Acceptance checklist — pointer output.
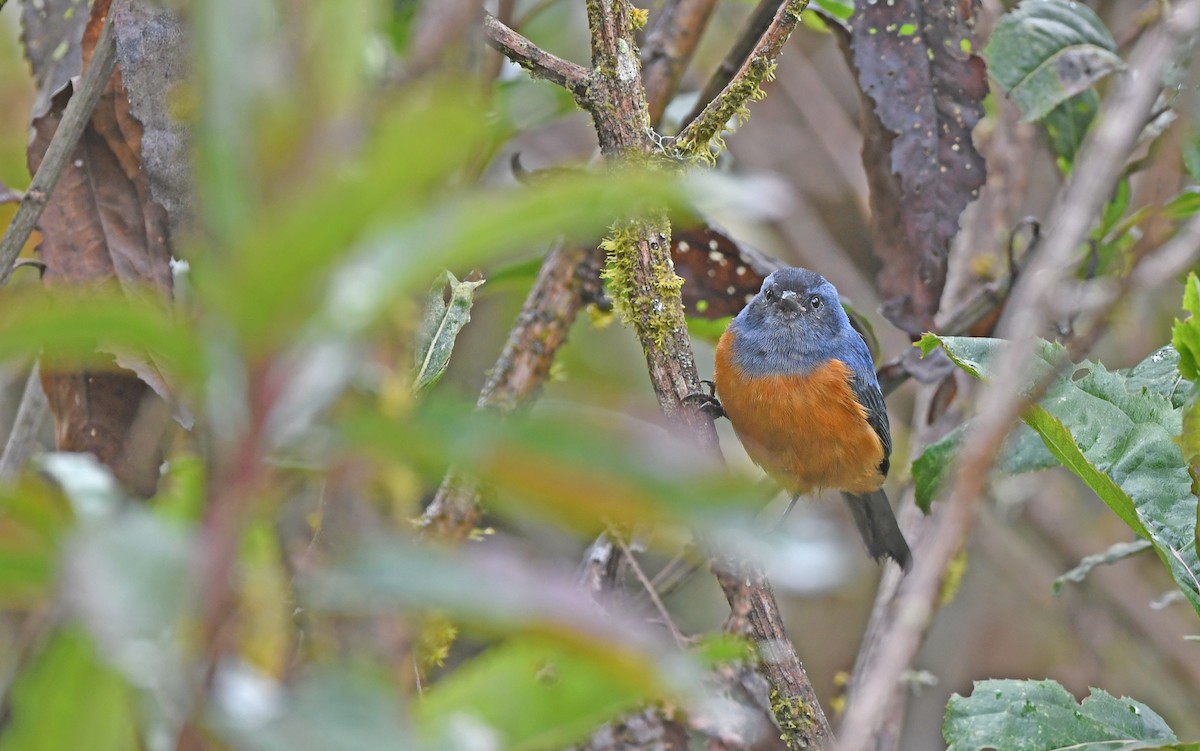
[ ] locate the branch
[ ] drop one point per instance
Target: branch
(569, 277)
(672, 38)
(75, 118)
(757, 25)
(540, 64)
(746, 83)
(1033, 302)
(31, 415)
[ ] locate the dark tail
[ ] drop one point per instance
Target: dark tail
(877, 525)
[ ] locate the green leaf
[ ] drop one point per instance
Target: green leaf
(1042, 716)
(85, 327)
(1185, 205)
(535, 694)
(277, 266)
(33, 520)
(582, 469)
(1023, 452)
(1118, 552)
(1068, 123)
(1185, 335)
(67, 698)
(930, 468)
(1046, 51)
(1119, 440)
(439, 328)
(837, 10)
(1159, 374)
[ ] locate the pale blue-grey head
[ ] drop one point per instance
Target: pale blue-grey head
(794, 324)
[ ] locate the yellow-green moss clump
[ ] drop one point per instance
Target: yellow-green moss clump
(794, 718)
(644, 306)
(705, 141)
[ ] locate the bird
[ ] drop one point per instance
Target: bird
(798, 384)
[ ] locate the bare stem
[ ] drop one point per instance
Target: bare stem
(540, 64)
(31, 415)
(674, 32)
(75, 119)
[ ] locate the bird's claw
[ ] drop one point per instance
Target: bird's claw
(707, 403)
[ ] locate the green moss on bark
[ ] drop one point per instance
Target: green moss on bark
(653, 308)
(794, 718)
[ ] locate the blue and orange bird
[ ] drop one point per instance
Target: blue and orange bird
(798, 384)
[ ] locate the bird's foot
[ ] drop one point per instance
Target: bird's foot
(707, 403)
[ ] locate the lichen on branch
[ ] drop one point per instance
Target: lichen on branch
(648, 299)
(701, 139)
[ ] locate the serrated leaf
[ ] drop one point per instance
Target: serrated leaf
(1046, 51)
(1120, 441)
(1118, 552)
(534, 694)
(1159, 374)
(1042, 716)
(67, 698)
(1023, 452)
(439, 329)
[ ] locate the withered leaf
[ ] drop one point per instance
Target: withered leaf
(52, 35)
(720, 274)
(101, 226)
(152, 54)
(922, 92)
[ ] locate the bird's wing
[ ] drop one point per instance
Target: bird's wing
(866, 390)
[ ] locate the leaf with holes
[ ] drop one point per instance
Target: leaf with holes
(923, 91)
(720, 274)
(439, 328)
(1120, 440)
(1046, 51)
(1042, 716)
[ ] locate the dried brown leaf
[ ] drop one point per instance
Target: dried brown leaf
(923, 90)
(101, 226)
(52, 34)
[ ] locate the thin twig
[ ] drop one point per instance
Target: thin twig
(663, 613)
(568, 278)
(670, 41)
(540, 64)
(757, 25)
(75, 118)
(1097, 171)
(757, 67)
(31, 415)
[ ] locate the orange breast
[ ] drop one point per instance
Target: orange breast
(808, 432)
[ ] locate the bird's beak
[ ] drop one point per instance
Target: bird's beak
(790, 301)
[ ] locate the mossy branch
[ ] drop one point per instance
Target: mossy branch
(540, 64)
(701, 138)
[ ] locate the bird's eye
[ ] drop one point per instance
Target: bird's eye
(769, 293)
(814, 302)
